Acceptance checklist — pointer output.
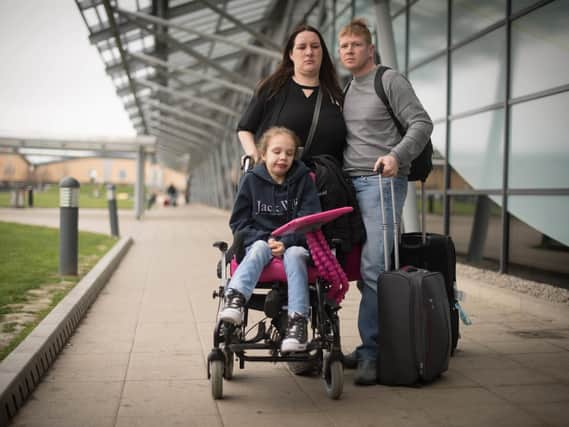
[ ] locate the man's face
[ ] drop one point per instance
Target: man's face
(355, 53)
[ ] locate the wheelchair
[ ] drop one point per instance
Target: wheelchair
(261, 341)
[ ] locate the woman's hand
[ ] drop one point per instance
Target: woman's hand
(277, 248)
(247, 140)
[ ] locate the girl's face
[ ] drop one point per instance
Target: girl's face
(279, 156)
(306, 54)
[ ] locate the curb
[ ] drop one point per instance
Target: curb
(22, 370)
(515, 300)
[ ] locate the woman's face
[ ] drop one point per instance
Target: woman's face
(306, 54)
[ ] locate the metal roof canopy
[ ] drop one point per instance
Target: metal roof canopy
(175, 66)
(107, 145)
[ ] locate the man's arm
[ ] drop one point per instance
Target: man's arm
(410, 112)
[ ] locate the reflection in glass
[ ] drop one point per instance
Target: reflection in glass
(479, 73)
(470, 17)
(539, 151)
(429, 82)
(518, 5)
(438, 137)
(540, 52)
(428, 28)
(397, 5)
(477, 147)
(399, 34)
(539, 235)
(488, 229)
(433, 210)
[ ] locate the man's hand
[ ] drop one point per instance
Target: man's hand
(390, 165)
(277, 248)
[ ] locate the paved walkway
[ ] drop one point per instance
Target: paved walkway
(138, 356)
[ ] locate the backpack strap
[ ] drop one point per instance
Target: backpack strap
(380, 90)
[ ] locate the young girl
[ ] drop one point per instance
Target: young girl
(271, 194)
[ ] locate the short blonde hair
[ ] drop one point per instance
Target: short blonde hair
(274, 131)
(356, 27)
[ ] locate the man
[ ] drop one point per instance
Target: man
(373, 141)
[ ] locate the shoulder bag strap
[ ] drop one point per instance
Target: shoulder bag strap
(314, 121)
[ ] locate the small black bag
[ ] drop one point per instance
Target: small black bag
(422, 165)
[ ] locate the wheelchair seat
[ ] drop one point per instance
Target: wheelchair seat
(275, 272)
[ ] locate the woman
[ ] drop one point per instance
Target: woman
(288, 98)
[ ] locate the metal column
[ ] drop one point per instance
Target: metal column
(139, 184)
(388, 57)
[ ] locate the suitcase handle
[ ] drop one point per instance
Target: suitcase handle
(384, 223)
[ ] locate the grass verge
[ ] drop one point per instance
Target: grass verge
(90, 196)
(30, 285)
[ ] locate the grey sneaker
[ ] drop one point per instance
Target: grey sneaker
(366, 373)
(350, 360)
(232, 307)
(296, 334)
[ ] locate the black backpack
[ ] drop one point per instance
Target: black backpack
(422, 165)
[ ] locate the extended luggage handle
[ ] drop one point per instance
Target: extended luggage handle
(384, 223)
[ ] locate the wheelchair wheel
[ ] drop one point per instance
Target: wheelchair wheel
(216, 372)
(229, 362)
(305, 368)
(333, 379)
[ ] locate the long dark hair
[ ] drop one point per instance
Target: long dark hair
(285, 70)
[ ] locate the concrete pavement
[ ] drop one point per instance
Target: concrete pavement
(138, 356)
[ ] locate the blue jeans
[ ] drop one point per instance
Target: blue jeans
(295, 261)
(372, 259)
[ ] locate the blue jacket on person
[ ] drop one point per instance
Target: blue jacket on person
(262, 205)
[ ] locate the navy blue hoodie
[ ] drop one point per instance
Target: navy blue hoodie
(262, 205)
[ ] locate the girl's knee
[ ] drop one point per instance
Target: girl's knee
(296, 252)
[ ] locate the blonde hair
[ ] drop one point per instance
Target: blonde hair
(356, 27)
(272, 132)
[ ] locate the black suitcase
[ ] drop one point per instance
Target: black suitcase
(414, 339)
(433, 252)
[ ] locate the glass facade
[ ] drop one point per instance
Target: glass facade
(497, 88)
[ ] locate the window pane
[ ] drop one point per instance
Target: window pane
(399, 36)
(397, 5)
(540, 52)
(539, 153)
(429, 82)
(518, 5)
(479, 72)
(462, 211)
(427, 29)
(476, 148)
(539, 234)
(469, 17)
(438, 137)
(433, 210)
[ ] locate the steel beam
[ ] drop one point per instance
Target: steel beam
(273, 54)
(176, 94)
(111, 18)
(184, 114)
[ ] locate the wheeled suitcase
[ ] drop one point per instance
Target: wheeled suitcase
(414, 339)
(433, 252)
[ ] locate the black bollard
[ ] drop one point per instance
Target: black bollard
(112, 199)
(31, 196)
(68, 224)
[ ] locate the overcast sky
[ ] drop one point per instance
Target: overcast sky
(52, 81)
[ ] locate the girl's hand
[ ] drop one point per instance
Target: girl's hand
(277, 248)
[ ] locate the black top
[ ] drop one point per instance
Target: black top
(292, 109)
